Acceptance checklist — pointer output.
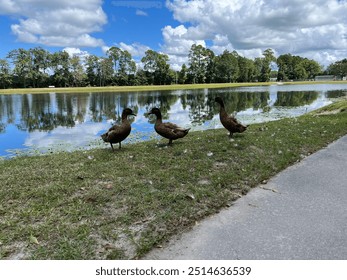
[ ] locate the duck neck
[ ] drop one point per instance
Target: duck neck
(159, 118)
(124, 118)
(222, 109)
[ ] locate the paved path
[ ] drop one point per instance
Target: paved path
(306, 218)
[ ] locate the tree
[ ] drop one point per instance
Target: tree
(339, 68)
(5, 74)
(182, 75)
(312, 68)
(247, 70)
(296, 68)
(200, 60)
(140, 78)
(264, 65)
(60, 64)
(77, 72)
(284, 63)
(115, 54)
(157, 67)
(105, 71)
(226, 67)
(127, 67)
(21, 60)
(93, 70)
(39, 64)
(123, 64)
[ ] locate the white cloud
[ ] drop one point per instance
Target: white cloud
(76, 51)
(177, 43)
(141, 13)
(69, 137)
(313, 29)
(56, 22)
(8, 7)
(135, 49)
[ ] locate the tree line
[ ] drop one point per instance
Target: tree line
(38, 67)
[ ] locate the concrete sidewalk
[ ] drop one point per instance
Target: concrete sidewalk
(304, 217)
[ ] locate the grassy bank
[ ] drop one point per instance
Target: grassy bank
(126, 88)
(146, 88)
(101, 205)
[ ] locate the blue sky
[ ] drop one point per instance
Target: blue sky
(136, 23)
(316, 29)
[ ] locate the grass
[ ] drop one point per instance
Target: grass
(148, 88)
(97, 204)
(126, 88)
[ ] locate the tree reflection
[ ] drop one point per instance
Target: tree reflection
(162, 100)
(336, 93)
(296, 98)
(202, 107)
(199, 105)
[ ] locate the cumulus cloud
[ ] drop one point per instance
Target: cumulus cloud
(299, 27)
(56, 22)
(76, 52)
(135, 49)
(177, 43)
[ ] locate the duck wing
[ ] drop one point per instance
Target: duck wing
(169, 125)
(171, 130)
(114, 127)
(232, 119)
(116, 133)
(233, 125)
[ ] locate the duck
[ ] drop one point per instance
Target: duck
(229, 121)
(167, 130)
(118, 133)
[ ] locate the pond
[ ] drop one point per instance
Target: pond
(40, 123)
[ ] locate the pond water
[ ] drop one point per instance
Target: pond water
(40, 123)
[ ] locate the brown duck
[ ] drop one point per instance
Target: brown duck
(117, 133)
(229, 122)
(167, 130)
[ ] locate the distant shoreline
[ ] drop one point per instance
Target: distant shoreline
(151, 87)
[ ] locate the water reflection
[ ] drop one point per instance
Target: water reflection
(68, 121)
(296, 98)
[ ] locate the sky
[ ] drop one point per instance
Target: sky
(313, 29)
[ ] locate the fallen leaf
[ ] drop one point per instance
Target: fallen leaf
(108, 246)
(33, 239)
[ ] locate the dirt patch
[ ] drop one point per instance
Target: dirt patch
(333, 112)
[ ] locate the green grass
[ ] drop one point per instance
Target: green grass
(148, 88)
(97, 204)
(126, 88)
